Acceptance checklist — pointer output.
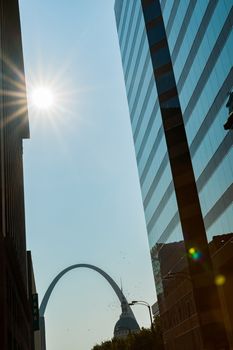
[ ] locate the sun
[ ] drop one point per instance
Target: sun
(43, 98)
(50, 98)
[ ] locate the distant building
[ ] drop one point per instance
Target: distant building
(221, 248)
(127, 323)
(177, 61)
(177, 306)
(155, 309)
(15, 311)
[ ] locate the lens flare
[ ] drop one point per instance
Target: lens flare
(192, 251)
(220, 280)
(52, 99)
(194, 254)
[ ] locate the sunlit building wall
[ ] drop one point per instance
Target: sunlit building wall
(199, 35)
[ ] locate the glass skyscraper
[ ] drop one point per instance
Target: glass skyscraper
(192, 60)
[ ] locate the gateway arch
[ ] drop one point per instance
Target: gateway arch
(124, 325)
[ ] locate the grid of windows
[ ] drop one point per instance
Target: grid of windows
(145, 114)
(200, 39)
(203, 67)
(199, 35)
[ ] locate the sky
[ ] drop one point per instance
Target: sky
(82, 195)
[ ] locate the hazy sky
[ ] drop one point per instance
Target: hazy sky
(83, 201)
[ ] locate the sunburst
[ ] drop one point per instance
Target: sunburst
(43, 98)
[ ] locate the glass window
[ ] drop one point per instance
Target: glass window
(147, 113)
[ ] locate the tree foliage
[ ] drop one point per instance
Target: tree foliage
(143, 340)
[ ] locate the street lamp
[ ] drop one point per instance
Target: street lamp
(142, 302)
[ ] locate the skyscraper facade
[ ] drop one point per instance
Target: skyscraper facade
(15, 310)
(177, 63)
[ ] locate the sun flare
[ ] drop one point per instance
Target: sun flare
(50, 98)
(43, 98)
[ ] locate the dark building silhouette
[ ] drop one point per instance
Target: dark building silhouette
(33, 301)
(15, 310)
(178, 312)
(221, 249)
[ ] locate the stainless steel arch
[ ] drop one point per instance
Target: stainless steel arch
(124, 304)
(126, 309)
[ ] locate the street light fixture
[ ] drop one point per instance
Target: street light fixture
(142, 302)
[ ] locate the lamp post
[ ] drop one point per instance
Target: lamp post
(142, 302)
